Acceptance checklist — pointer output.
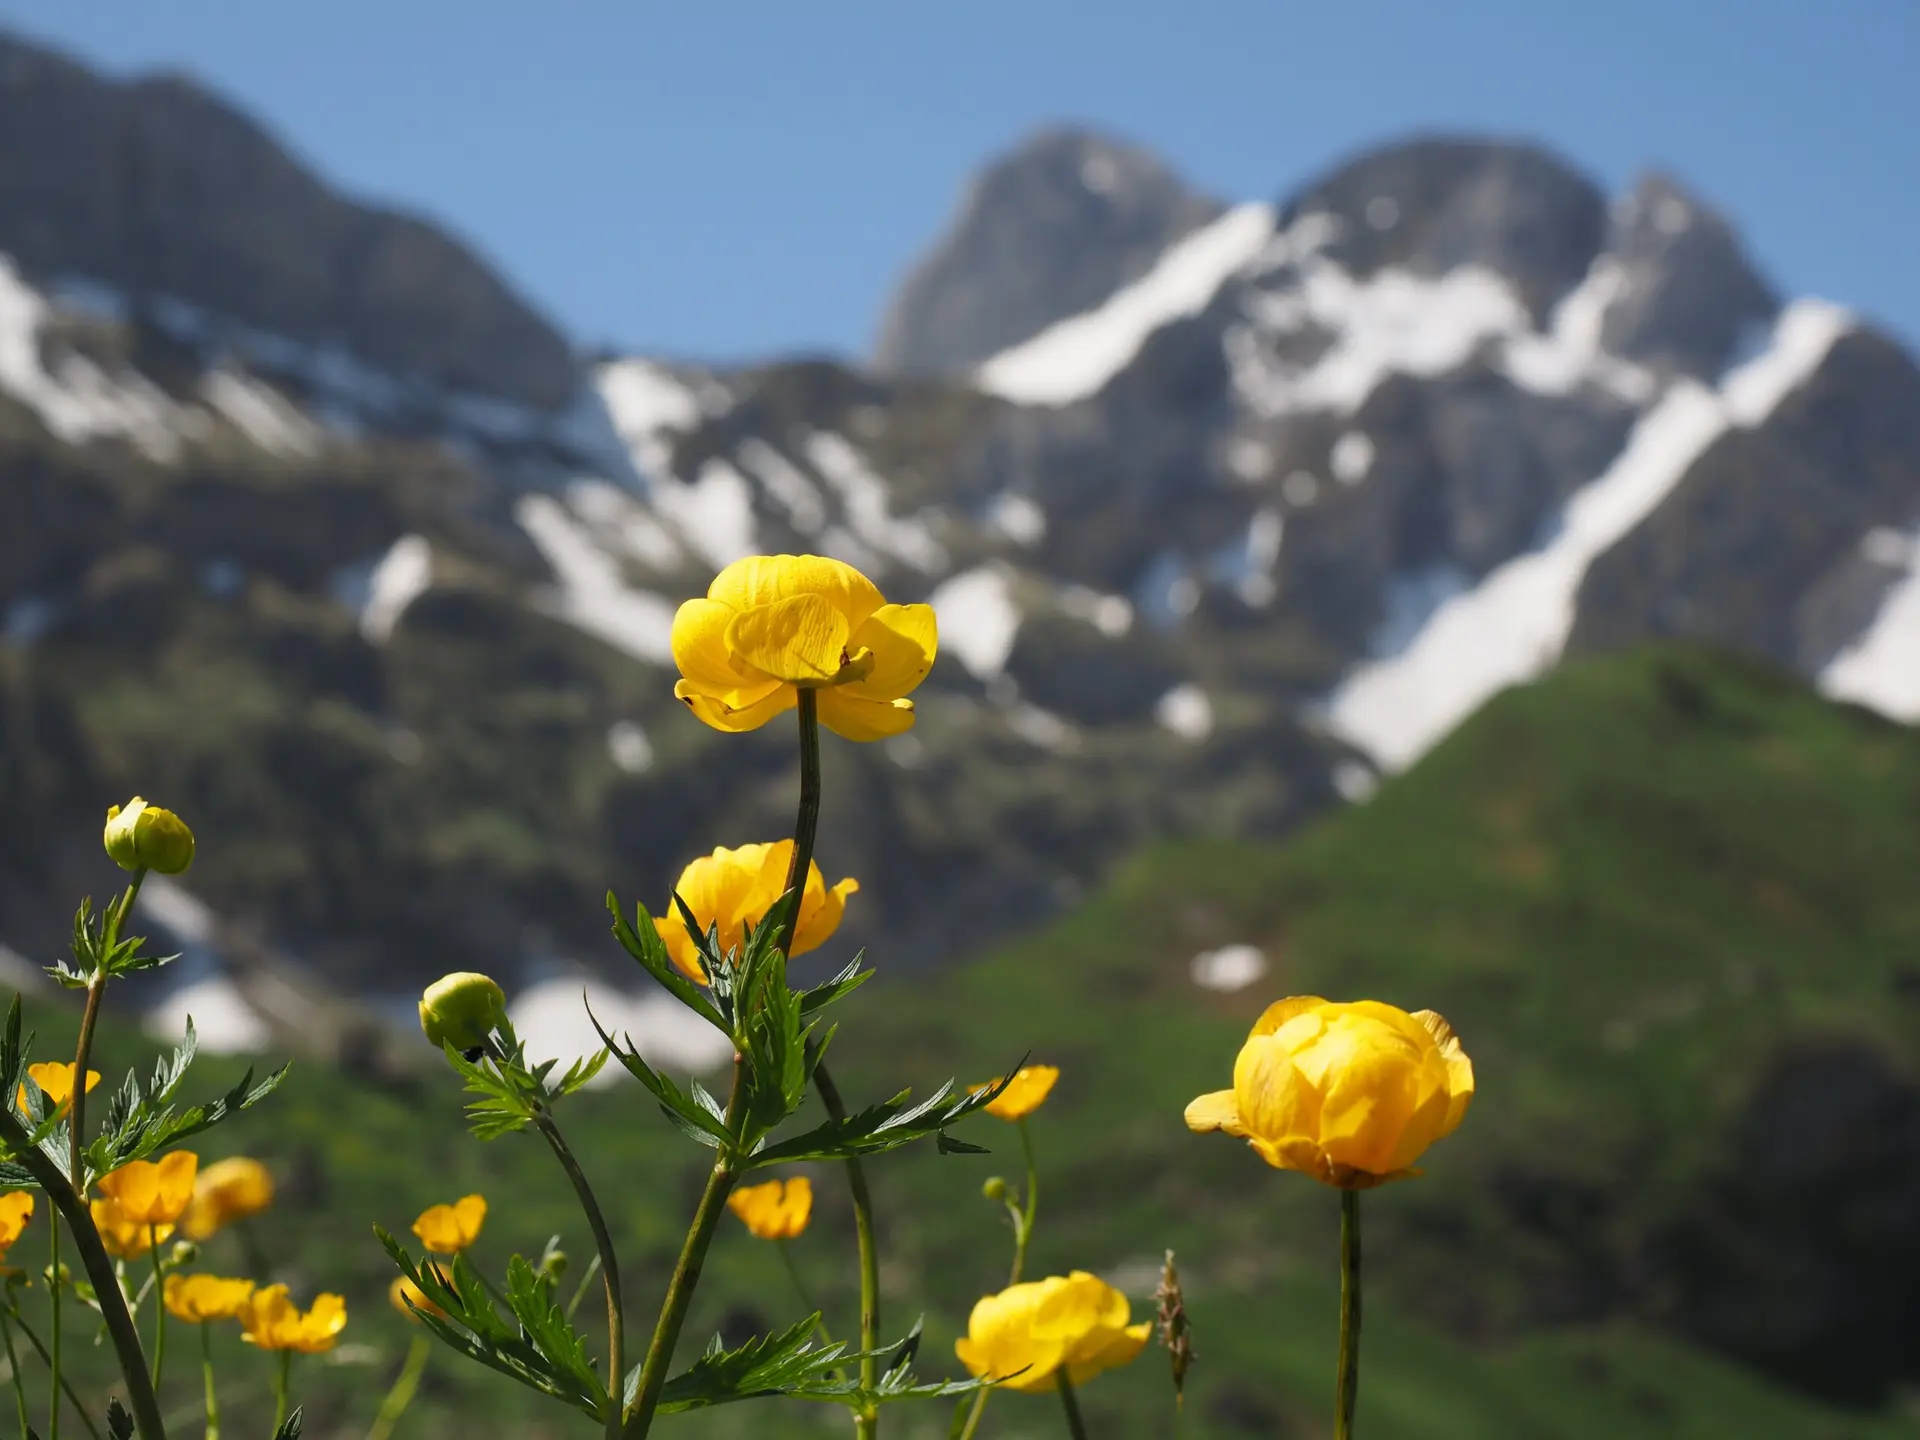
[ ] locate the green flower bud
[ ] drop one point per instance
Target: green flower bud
(185, 1252)
(462, 1009)
(995, 1188)
(140, 836)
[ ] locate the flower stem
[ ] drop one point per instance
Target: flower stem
(89, 1019)
(785, 1248)
(159, 1306)
(40, 1349)
(54, 1296)
(805, 826)
(99, 1267)
(401, 1396)
(1076, 1424)
(1348, 1391)
(13, 1369)
(586, 1280)
(673, 1311)
(1022, 1233)
(206, 1371)
(609, 1269)
(285, 1357)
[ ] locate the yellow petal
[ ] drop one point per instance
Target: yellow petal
(819, 920)
(902, 640)
(766, 579)
(746, 710)
(1459, 1069)
(1115, 1348)
(852, 718)
(1217, 1110)
(1281, 1011)
(802, 640)
(699, 642)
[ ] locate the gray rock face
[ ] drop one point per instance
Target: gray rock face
(159, 189)
(1690, 294)
(1049, 231)
(1433, 205)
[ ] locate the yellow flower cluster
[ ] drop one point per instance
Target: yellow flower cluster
(734, 889)
(143, 1201)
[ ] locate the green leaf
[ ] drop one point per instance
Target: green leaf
(502, 1106)
(290, 1430)
(702, 1123)
(119, 1422)
(642, 941)
(880, 1128)
(790, 1364)
(141, 1121)
(546, 1324)
(845, 983)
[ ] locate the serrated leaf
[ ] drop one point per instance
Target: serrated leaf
(119, 1422)
(880, 1128)
(546, 1324)
(790, 1364)
(290, 1430)
(642, 941)
(850, 979)
(706, 1125)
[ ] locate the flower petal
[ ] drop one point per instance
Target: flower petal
(1215, 1111)
(821, 917)
(903, 640)
(802, 640)
(854, 719)
(748, 711)
(699, 643)
(766, 579)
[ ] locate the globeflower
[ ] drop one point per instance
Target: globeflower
(200, 1298)
(226, 1191)
(16, 1208)
(734, 889)
(1351, 1094)
(146, 1193)
(122, 1234)
(55, 1079)
(462, 1010)
(773, 625)
(1022, 1337)
(777, 1210)
(449, 1229)
(140, 836)
(273, 1322)
(1025, 1093)
(410, 1300)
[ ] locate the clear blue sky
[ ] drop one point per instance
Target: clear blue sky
(729, 180)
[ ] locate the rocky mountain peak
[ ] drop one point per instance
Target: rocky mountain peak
(1434, 204)
(1688, 295)
(1045, 232)
(157, 189)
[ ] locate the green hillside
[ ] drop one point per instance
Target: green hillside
(1668, 899)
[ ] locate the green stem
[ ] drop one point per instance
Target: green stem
(89, 1019)
(285, 1358)
(13, 1369)
(159, 1306)
(206, 1372)
(40, 1349)
(99, 1267)
(805, 826)
(401, 1396)
(1076, 1425)
(609, 1269)
(800, 1288)
(586, 1281)
(1348, 1388)
(1022, 1233)
(54, 1296)
(673, 1311)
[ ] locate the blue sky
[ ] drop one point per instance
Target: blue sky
(730, 180)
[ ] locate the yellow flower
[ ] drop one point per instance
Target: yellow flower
(226, 1191)
(1028, 1092)
(200, 1298)
(16, 1208)
(273, 1322)
(462, 1009)
(1350, 1094)
(55, 1078)
(734, 889)
(777, 1210)
(150, 1194)
(122, 1234)
(140, 836)
(449, 1229)
(1027, 1332)
(772, 625)
(409, 1299)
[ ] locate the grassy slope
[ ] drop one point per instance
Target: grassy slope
(1626, 886)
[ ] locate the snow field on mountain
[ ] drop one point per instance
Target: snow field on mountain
(1514, 624)
(1881, 668)
(978, 619)
(400, 577)
(590, 593)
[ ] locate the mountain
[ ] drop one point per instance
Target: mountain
(309, 527)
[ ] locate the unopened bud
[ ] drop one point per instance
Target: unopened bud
(185, 1252)
(462, 1010)
(140, 836)
(995, 1188)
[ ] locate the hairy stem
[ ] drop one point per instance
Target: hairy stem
(609, 1268)
(1347, 1392)
(99, 1267)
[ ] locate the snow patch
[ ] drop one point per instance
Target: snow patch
(867, 505)
(618, 519)
(1569, 353)
(1018, 518)
(223, 1022)
(714, 512)
(1355, 781)
(798, 496)
(1075, 357)
(1514, 623)
(1351, 458)
(591, 594)
(1881, 668)
(167, 903)
(978, 619)
(629, 748)
(261, 413)
(1111, 615)
(647, 405)
(401, 577)
(1230, 968)
(1186, 712)
(551, 1018)
(1042, 728)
